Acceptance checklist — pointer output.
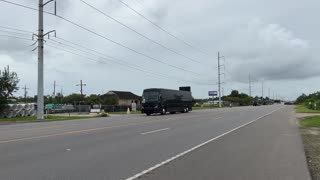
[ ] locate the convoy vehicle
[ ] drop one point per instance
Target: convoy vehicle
(157, 100)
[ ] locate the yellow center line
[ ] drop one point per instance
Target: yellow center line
(91, 129)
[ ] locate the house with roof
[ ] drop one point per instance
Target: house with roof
(123, 97)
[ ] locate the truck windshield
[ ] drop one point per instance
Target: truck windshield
(150, 96)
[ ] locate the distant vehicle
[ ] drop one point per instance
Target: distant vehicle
(288, 103)
(256, 103)
(156, 100)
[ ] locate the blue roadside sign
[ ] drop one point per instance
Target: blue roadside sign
(213, 93)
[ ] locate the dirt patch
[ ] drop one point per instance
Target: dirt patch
(311, 141)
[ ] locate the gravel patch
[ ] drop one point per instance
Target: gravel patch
(311, 141)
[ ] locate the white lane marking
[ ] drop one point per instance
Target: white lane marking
(149, 132)
(194, 148)
(68, 149)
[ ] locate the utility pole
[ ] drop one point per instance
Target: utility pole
(222, 91)
(81, 89)
(269, 93)
(61, 96)
(262, 88)
(249, 84)
(25, 93)
(273, 95)
(219, 80)
(219, 77)
(40, 36)
(40, 101)
(54, 88)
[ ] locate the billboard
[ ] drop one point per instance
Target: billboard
(213, 93)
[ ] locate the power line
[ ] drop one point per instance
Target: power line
(117, 60)
(142, 35)
(109, 58)
(15, 32)
(17, 4)
(162, 29)
(126, 47)
(5, 27)
(104, 37)
(112, 59)
(16, 37)
(137, 68)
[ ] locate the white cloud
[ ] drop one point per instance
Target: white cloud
(261, 37)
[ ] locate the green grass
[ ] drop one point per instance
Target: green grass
(304, 109)
(124, 112)
(47, 118)
(204, 107)
(312, 121)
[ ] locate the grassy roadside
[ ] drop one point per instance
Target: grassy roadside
(310, 133)
(47, 118)
(205, 107)
(124, 112)
(312, 121)
(304, 109)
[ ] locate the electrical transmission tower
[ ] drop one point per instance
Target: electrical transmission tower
(219, 77)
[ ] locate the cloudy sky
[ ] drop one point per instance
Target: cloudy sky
(275, 41)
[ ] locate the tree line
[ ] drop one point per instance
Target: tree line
(311, 101)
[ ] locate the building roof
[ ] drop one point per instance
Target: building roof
(124, 95)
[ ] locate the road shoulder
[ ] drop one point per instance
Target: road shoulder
(311, 140)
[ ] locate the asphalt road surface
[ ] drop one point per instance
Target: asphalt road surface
(231, 143)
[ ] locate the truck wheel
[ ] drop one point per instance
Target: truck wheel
(148, 114)
(163, 112)
(187, 109)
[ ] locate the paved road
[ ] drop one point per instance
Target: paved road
(232, 143)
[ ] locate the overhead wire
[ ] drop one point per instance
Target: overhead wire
(118, 61)
(16, 37)
(11, 32)
(162, 29)
(106, 38)
(87, 50)
(135, 31)
(10, 28)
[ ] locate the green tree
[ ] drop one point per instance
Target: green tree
(301, 99)
(72, 98)
(242, 99)
(93, 99)
(8, 85)
(234, 93)
(110, 100)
